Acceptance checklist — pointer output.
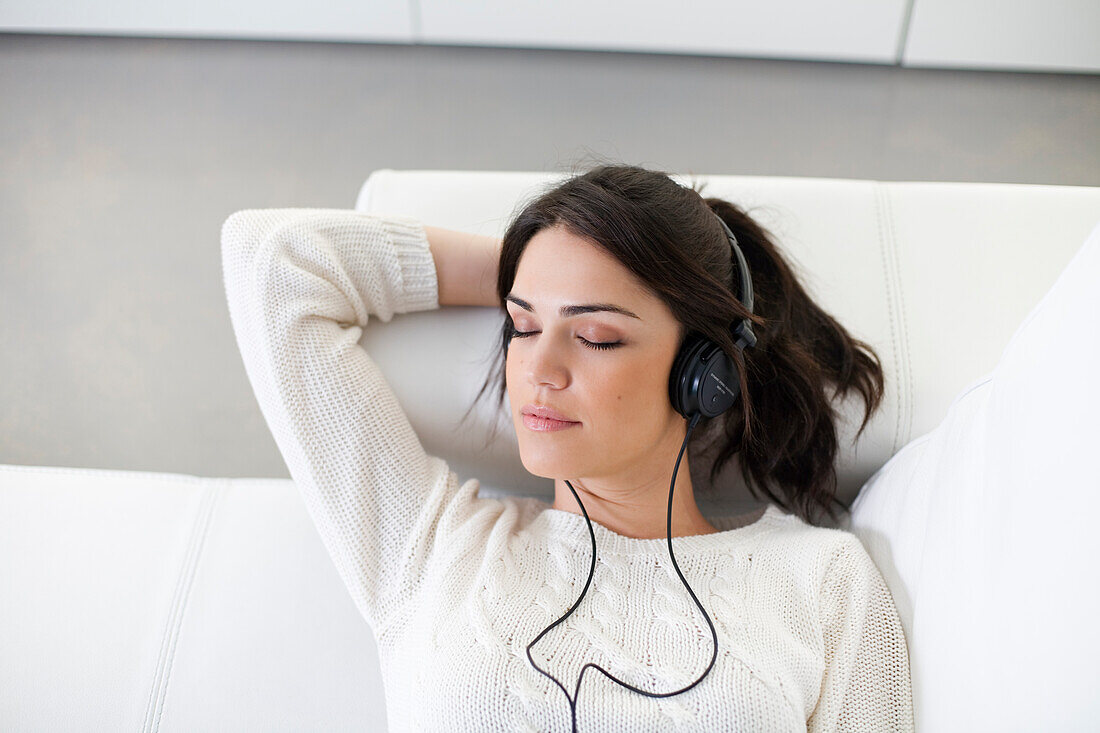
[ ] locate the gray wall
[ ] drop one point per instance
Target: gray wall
(121, 157)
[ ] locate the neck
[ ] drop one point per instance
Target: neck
(638, 510)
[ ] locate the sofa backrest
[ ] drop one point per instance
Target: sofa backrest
(934, 276)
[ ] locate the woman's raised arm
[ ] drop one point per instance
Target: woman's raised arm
(301, 286)
(466, 265)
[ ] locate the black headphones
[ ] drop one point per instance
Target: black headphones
(704, 382)
(704, 379)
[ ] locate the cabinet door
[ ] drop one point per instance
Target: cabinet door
(842, 30)
(383, 21)
(1026, 35)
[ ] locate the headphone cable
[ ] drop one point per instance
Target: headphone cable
(714, 634)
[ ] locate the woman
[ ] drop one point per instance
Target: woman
(465, 594)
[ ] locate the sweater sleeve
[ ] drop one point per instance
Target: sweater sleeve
(301, 285)
(866, 685)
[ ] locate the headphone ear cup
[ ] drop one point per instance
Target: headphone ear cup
(703, 379)
(679, 394)
(720, 386)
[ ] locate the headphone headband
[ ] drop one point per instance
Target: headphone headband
(742, 330)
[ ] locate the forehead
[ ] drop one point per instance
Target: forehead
(558, 266)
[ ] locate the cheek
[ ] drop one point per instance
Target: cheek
(630, 390)
(623, 386)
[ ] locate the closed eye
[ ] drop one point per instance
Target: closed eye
(586, 342)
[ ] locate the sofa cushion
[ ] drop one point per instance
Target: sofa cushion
(984, 528)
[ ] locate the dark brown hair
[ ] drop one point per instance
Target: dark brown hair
(784, 425)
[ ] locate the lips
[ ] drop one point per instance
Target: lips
(546, 412)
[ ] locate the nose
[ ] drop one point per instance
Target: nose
(545, 362)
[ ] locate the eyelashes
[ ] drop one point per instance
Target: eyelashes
(586, 342)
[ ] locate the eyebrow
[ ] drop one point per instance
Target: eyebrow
(568, 311)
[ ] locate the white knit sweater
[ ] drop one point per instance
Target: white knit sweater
(455, 586)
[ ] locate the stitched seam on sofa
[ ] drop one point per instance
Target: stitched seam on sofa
(890, 309)
(158, 692)
(907, 353)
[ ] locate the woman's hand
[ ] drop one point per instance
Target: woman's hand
(465, 265)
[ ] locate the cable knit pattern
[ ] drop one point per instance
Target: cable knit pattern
(455, 586)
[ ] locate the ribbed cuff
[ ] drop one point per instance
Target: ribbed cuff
(419, 282)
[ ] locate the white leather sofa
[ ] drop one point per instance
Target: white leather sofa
(162, 602)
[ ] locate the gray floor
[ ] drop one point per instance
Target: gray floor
(121, 157)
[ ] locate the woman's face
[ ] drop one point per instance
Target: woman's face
(618, 396)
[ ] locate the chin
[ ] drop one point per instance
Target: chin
(546, 465)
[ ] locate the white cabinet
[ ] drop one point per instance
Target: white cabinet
(1038, 35)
